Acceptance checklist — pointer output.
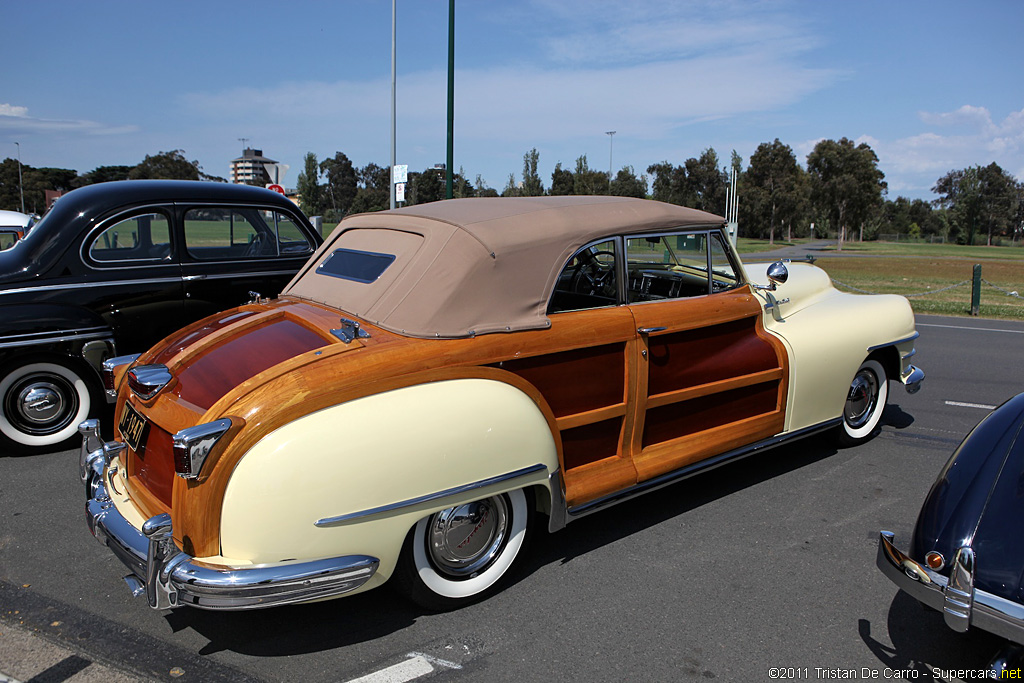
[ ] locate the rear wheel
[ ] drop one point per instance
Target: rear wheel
(41, 404)
(460, 555)
(865, 402)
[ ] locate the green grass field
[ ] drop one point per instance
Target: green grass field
(936, 278)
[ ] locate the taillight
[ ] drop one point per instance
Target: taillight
(114, 368)
(147, 380)
(193, 445)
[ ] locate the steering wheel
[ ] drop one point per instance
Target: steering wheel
(592, 277)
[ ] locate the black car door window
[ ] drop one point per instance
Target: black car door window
(143, 237)
(218, 233)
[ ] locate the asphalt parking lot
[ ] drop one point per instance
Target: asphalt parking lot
(767, 564)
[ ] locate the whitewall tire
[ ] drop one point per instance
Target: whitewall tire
(41, 404)
(460, 555)
(865, 403)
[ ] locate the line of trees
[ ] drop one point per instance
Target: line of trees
(173, 165)
(840, 192)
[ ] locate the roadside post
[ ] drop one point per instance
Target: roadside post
(976, 290)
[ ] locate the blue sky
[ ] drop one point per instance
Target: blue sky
(930, 85)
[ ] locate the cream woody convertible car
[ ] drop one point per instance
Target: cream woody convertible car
(439, 378)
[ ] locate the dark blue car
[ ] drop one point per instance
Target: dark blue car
(966, 557)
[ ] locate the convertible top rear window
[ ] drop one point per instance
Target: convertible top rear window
(360, 266)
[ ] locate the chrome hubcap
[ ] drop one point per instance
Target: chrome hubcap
(464, 540)
(41, 404)
(861, 401)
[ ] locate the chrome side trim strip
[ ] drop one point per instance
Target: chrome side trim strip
(63, 336)
(894, 343)
(235, 276)
(690, 470)
(79, 285)
(342, 519)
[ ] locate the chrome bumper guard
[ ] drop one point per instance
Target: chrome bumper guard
(912, 378)
(170, 578)
(961, 604)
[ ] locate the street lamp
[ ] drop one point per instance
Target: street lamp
(21, 186)
(611, 139)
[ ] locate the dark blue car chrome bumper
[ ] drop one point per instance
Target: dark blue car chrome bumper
(957, 599)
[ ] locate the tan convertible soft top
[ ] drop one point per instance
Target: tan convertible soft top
(474, 266)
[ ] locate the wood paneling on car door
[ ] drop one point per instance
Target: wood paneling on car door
(714, 380)
(588, 378)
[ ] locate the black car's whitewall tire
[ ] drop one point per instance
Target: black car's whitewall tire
(459, 555)
(41, 404)
(865, 402)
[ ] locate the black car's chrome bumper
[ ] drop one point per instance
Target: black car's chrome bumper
(961, 604)
(171, 578)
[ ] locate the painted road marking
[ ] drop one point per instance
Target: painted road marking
(959, 404)
(416, 666)
(979, 329)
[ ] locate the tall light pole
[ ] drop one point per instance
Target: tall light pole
(611, 139)
(450, 161)
(391, 171)
(21, 186)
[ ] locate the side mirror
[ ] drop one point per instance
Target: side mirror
(778, 273)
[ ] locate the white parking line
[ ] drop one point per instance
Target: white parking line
(959, 404)
(964, 327)
(402, 672)
(416, 666)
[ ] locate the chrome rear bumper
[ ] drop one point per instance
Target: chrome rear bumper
(961, 604)
(171, 578)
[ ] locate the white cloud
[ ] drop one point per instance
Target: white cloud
(16, 120)
(12, 110)
(919, 160)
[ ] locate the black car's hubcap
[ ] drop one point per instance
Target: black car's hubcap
(41, 404)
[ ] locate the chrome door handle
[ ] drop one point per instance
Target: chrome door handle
(650, 330)
(189, 278)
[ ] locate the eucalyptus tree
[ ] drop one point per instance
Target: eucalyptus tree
(773, 191)
(311, 193)
(532, 185)
(706, 183)
(980, 197)
(561, 181)
(846, 183)
(668, 183)
(627, 184)
(171, 165)
(587, 180)
(342, 183)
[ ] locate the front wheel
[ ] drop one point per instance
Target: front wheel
(865, 402)
(459, 555)
(41, 405)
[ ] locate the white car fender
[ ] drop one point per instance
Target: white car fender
(354, 478)
(829, 344)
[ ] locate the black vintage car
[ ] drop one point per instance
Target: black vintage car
(115, 267)
(966, 557)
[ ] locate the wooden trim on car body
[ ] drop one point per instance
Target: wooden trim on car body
(330, 375)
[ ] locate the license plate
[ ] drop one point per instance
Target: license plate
(133, 428)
